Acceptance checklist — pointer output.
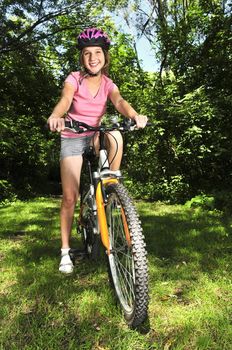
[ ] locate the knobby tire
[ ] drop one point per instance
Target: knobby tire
(127, 262)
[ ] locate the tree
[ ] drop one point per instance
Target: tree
(37, 49)
(31, 67)
(193, 42)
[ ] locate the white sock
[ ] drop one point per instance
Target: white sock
(64, 251)
(66, 264)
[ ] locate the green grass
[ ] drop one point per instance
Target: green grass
(190, 273)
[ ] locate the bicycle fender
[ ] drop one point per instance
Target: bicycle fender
(102, 215)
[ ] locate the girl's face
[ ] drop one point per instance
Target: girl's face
(93, 58)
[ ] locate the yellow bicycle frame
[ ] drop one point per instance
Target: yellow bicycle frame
(102, 215)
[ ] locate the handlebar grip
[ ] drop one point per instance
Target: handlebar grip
(67, 124)
(132, 122)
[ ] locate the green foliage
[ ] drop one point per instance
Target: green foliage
(187, 152)
(201, 201)
(223, 200)
(217, 200)
(189, 102)
(25, 87)
(173, 190)
(6, 192)
(30, 85)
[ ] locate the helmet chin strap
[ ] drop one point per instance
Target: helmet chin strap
(88, 74)
(92, 74)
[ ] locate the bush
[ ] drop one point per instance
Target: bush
(223, 201)
(174, 190)
(6, 192)
(220, 200)
(201, 201)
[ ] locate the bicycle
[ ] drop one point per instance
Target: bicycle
(107, 214)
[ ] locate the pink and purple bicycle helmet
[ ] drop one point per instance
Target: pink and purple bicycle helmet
(93, 37)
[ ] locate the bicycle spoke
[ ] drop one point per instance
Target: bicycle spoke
(124, 269)
(127, 260)
(127, 280)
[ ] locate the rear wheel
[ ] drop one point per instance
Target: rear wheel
(127, 258)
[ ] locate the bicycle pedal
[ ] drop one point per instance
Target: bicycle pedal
(77, 255)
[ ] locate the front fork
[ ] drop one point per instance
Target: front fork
(101, 212)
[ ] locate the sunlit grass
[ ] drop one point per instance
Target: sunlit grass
(190, 280)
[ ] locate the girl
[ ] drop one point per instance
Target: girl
(84, 98)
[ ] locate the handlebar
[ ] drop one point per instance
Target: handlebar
(80, 127)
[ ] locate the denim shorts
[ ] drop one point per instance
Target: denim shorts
(74, 146)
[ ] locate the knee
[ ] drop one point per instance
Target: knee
(115, 138)
(69, 201)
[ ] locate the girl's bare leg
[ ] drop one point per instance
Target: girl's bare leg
(114, 145)
(115, 149)
(70, 177)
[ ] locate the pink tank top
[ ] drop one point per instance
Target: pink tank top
(86, 107)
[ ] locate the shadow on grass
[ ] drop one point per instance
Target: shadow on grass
(46, 305)
(48, 302)
(203, 238)
(52, 311)
(57, 311)
(51, 306)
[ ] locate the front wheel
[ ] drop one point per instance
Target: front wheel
(127, 258)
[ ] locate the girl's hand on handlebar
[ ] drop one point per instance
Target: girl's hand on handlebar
(56, 123)
(141, 121)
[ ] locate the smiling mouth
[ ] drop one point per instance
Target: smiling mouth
(93, 65)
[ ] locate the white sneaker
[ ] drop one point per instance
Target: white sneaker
(66, 264)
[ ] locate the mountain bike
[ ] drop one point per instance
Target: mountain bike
(108, 215)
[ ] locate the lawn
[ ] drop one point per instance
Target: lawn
(190, 281)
